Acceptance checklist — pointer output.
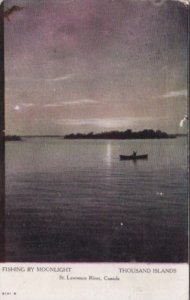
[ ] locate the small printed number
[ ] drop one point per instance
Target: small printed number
(8, 293)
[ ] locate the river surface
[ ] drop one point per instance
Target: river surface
(75, 201)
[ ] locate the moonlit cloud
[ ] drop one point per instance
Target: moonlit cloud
(38, 79)
(174, 94)
(17, 79)
(27, 104)
(19, 107)
(186, 2)
(75, 102)
(161, 2)
(66, 77)
(104, 123)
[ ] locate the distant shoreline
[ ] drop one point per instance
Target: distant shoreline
(123, 135)
(12, 138)
(116, 135)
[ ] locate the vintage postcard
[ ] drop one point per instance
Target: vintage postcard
(94, 148)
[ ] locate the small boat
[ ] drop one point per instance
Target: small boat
(133, 157)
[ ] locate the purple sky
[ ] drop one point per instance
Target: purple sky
(94, 65)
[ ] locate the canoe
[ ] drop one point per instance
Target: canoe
(133, 157)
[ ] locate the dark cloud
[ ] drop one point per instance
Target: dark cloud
(13, 9)
(122, 53)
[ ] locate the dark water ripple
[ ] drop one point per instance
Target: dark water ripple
(68, 201)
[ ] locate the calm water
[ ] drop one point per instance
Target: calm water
(75, 201)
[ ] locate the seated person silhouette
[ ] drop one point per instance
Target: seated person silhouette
(134, 153)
